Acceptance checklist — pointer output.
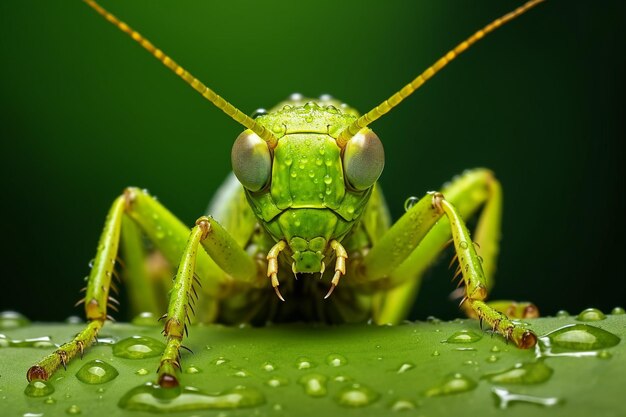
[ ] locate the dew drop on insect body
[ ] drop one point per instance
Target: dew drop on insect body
(590, 314)
(12, 320)
(453, 384)
(314, 385)
(504, 398)
(73, 410)
(410, 202)
(96, 372)
(335, 359)
(138, 347)
(576, 340)
(464, 336)
(522, 373)
(39, 388)
(356, 395)
(152, 398)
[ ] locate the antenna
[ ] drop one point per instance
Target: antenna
(196, 84)
(386, 106)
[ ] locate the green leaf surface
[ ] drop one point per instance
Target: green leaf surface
(313, 370)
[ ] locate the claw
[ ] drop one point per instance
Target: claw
(272, 266)
(278, 294)
(340, 265)
(330, 291)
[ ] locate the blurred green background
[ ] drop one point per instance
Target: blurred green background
(85, 112)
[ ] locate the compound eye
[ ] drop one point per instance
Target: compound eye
(363, 160)
(252, 162)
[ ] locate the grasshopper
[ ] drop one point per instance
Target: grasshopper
(302, 213)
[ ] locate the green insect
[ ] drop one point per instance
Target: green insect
(302, 214)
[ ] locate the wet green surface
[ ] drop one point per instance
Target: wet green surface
(311, 370)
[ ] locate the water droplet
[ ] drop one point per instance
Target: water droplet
(410, 202)
(590, 314)
(268, 367)
(332, 109)
(453, 384)
(470, 363)
(495, 349)
(191, 369)
(35, 342)
(220, 361)
(336, 360)
(304, 363)
(241, 374)
(576, 340)
(464, 336)
(342, 378)
(39, 388)
(314, 384)
(147, 319)
(433, 320)
(505, 397)
(96, 372)
(562, 313)
(279, 128)
(492, 358)
(308, 119)
(73, 320)
(604, 354)
(50, 400)
(327, 179)
(522, 373)
(142, 371)
(618, 311)
(356, 395)
(463, 244)
(138, 347)
(276, 382)
(73, 410)
(12, 320)
(153, 398)
(435, 353)
(402, 405)
(405, 367)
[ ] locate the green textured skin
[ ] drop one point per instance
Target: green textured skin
(307, 202)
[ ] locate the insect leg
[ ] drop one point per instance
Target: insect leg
(168, 235)
(414, 241)
(230, 257)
